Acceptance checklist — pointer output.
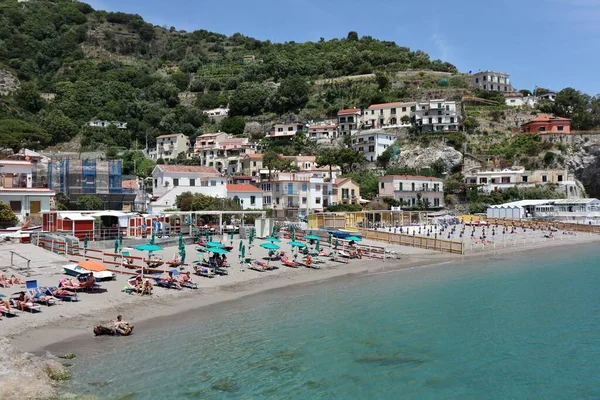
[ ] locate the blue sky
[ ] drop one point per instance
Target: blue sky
(548, 43)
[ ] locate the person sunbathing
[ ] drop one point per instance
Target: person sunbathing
(4, 281)
(147, 288)
(64, 282)
(171, 279)
(308, 260)
(139, 284)
(60, 292)
(22, 300)
(127, 262)
(39, 296)
(4, 305)
(185, 277)
(16, 281)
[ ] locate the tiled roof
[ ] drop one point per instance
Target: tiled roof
(15, 162)
(226, 142)
(349, 111)
(129, 184)
(169, 135)
(547, 118)
(232, 187)
(339, 181)
(210, 135)
(32, 190)
(255, 156)
(189, 168)
(385, 105)
(411, 177)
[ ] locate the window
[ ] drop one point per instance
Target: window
(317, 187)
(393, 111)
(252, 200)
(436, 202)
(155, 182)
(484, 86)
(439, 120)
(15, 206)
(350, 119)
(279, 129)
(491, 87)
(175, 182)
(213, 183)
(266, 187)
(524, 178)
(436, 187)
(439, 105)
(371, 138)
(371, 149)
(401, 186)
(304, 200)
(559, 128)
(412, 186)
(192, 182)
(352, 193)
(476, 80)
(277, 187)
(254, 163)
(204, 183)
(439, 112)
(413, 108)
(559, 178)
(403, 109)
(290, 128)
(267, 200)
(318, 200)
(505, 179)
(380, 112)
(372, 112)
(382, 185)
(344, 193)
(304, 187)
(343, 119)
(544, 178)
(451, 120)
(485, 78)
(431, 120)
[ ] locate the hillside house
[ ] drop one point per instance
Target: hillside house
(387, 115)
(348, 120)
(168, 147)
(411, 188)
(547, 123)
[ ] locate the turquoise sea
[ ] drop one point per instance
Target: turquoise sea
(509, 327)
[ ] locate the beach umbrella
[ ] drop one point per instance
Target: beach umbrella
(269, 246)
(336, 242)
(92, 266)
(312, 237)
(240, 246)
(120, 239)
(274, 231)
(329, 239)
(294, 243)
(217, 250)
(250, 240)
(242, 252)
(207, 234)
(231, 236)
(148, 247)
(85, 241)
(354, 238)
(293, 236)
(272, 239)
(181, 244)
(214, 244)
(116, 245)
(318, 246)
(182, 254)
(152, 237)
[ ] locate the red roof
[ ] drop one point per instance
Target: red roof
(129, 184)
(411, 177)
(349, 111)
(386, 105)
(233, 187)
(188, 168)
(547, 119)
(169, 135)
(255, 155)
(339, 181)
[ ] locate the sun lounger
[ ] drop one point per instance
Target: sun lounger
(289, 263)
(36, 295)
(7, 313)
(220, 271)
(83, 283)
(29, 306)
(256, 266)
(204, 271)
(163, 282)
(62, 294)
(189, 285)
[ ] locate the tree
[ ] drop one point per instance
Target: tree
(136, 163)
(90, 202)
(353, 36)
(405, 119)
(327, 157)
(62, 201)
(292, 94)
(368, 183)
(59, 126)
(188, 201)
(28, 97)
(383, 82)
(7, 216)
(384, 158)
(525, 92)
(347, 159)
(15, 133)
(233, 125)
(248, 99)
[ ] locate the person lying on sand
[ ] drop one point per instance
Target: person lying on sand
(64, 282)
(16, 281)
(4, 305)
(4, 281)
(37, 295)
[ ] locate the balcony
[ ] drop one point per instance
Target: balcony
(295, 193)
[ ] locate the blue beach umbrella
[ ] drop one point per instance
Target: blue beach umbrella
(269, 246)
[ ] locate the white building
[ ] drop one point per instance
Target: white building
(17, 190)
(348, 120)
(169, 181)
(565, 210)
(500, 179)
(217, 114)
(437, 115)
(492, 80)
(247, 196)
(226, 154)
(411, 189)
(208, 142)
(322, 133)
(387, 115)
(372, 143)
(106, 124)
(168, 147)
(285, 131)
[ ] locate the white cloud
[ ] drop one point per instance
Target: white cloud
(444, 49)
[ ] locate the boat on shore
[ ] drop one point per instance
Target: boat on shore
(342, 233)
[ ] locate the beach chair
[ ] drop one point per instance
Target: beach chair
(62, 294)
(83, 278)
(36, 295)
(288, 263)
(204, 271)
(31, 307)
(162, 282)
(257, 266)
(5, 311)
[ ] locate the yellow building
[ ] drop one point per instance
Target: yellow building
(346, 191)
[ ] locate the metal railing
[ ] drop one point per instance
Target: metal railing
(27, 268)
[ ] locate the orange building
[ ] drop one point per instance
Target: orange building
(546, 123)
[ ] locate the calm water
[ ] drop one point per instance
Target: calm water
(524, 327)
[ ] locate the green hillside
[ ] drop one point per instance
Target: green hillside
(115, 66)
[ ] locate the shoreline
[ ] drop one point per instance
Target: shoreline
(62, 334)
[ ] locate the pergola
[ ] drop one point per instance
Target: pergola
(218, 213)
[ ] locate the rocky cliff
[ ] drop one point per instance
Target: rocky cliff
(8, 82)
(415, 156)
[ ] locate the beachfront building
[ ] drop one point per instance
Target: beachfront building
(296, 194)
(565, 210)
(322, 133)
(499, 179)
(252, 164)
(547, 123)
(346, 191)
(246, 195)
(388, 115)
(349, 120)
(168, 147)
(17, 190)
(492, 80)
(223, 152)
(372, 143)
(169, 181)
(412, 190)
(438, 115)
(206, 143)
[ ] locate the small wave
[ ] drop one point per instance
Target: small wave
(25, 376)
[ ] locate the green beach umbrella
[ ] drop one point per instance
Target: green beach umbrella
(354, 238)
(293, 236)
(182, 255)
(116, 245)
(181, 245)
(214, 244)
(272, 239)
(294, 243)
(148, 247)
(231, 237)
(242, 252)
(250, 239)
(120, 239)
(318, 246)
(329, 239)
(217, 250)
(152, 237)
(207, 234)
(241, 245)
(85, 241)
(336, 243)
(274, 231)
(311, 237)
(269, 246)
